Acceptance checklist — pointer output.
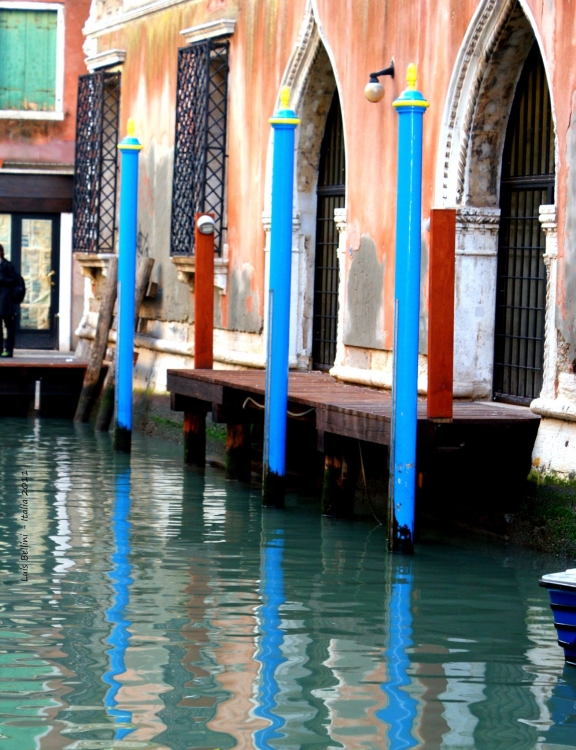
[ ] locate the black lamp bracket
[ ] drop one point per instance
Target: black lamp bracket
(386, 72)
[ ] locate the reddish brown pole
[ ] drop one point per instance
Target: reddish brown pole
(204, 297)
(441, 313)
(195, 420)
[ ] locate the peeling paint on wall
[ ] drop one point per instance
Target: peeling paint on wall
(566, 321)
(243, 301)
(364, 322)
(154, 213)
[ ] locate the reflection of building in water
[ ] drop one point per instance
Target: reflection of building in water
(548, 664)
(231, 611)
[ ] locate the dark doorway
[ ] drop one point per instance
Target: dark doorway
(527, 183)
(34, 250)
(331, 195)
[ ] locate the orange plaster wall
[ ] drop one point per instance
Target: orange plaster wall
(361, 36)
(260, 49)
(52, 141)
(383, 32)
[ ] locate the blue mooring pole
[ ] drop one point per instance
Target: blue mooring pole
(284, 124)
(129, 148)
(410, 106)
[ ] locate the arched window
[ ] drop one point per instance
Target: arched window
(331, 193)
(527, 182)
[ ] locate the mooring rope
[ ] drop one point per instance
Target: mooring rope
(290, 413)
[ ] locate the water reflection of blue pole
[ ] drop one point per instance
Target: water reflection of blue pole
(116, 614)
(400, 712)
(562, 733)
(271, 644)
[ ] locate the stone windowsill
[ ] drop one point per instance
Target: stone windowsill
(186, 266)
(29, 114)
(93, 265)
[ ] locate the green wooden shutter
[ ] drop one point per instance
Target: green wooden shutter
(28, 59)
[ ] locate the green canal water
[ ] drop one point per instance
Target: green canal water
(162, 608)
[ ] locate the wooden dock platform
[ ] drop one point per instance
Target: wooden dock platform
(60, 375)
(483, 436)
(339, 408)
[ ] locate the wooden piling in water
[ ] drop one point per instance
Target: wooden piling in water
(341, 469)
(238, 451)
(99, 345)
(106, 408)
(194, 432)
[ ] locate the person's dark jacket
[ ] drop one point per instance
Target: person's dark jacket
(7, 281)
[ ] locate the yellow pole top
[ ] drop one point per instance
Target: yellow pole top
(285, 96)
(411, 77)
(284, 116)
(131, 127)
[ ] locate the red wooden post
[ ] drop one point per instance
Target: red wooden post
(441, 313)
(204, 297)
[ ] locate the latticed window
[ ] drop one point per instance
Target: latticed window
(200, 142)
(96, 162)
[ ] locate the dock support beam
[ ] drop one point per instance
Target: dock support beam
(128, 227)
(341, 468)
(410, 106)
(238, 449)
(194, 432)
(284, 123)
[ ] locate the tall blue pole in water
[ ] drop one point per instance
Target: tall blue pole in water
(410, 106)
(284, 123)
(128, 227)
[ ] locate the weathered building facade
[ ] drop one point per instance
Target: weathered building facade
(499, 146)
(41, 51)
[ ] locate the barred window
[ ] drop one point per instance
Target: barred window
(96, 162)
(200, 142)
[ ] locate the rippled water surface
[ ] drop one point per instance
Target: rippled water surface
(166, 609)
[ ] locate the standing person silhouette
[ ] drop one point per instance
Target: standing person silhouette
(7, 307)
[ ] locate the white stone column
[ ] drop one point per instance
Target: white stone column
(340, 221)
(555, 447)
(65, 288)
(550, 375)
(475, 300)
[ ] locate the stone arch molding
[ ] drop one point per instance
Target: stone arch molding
(312, 78)
(468, 171)
(473, 130)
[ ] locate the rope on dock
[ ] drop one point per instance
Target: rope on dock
(290, 413)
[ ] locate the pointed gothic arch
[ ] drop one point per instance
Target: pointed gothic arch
(313, 82)
(469, 166)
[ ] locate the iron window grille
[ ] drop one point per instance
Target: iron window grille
(528, 174)
(96, 162)
(331, 195)
(200, 142)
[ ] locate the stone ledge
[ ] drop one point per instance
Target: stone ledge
(373, 378)
(93, 265)
(555, 408)
(186, 267)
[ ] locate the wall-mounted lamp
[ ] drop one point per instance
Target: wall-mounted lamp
(374, 90)
(206, 224)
